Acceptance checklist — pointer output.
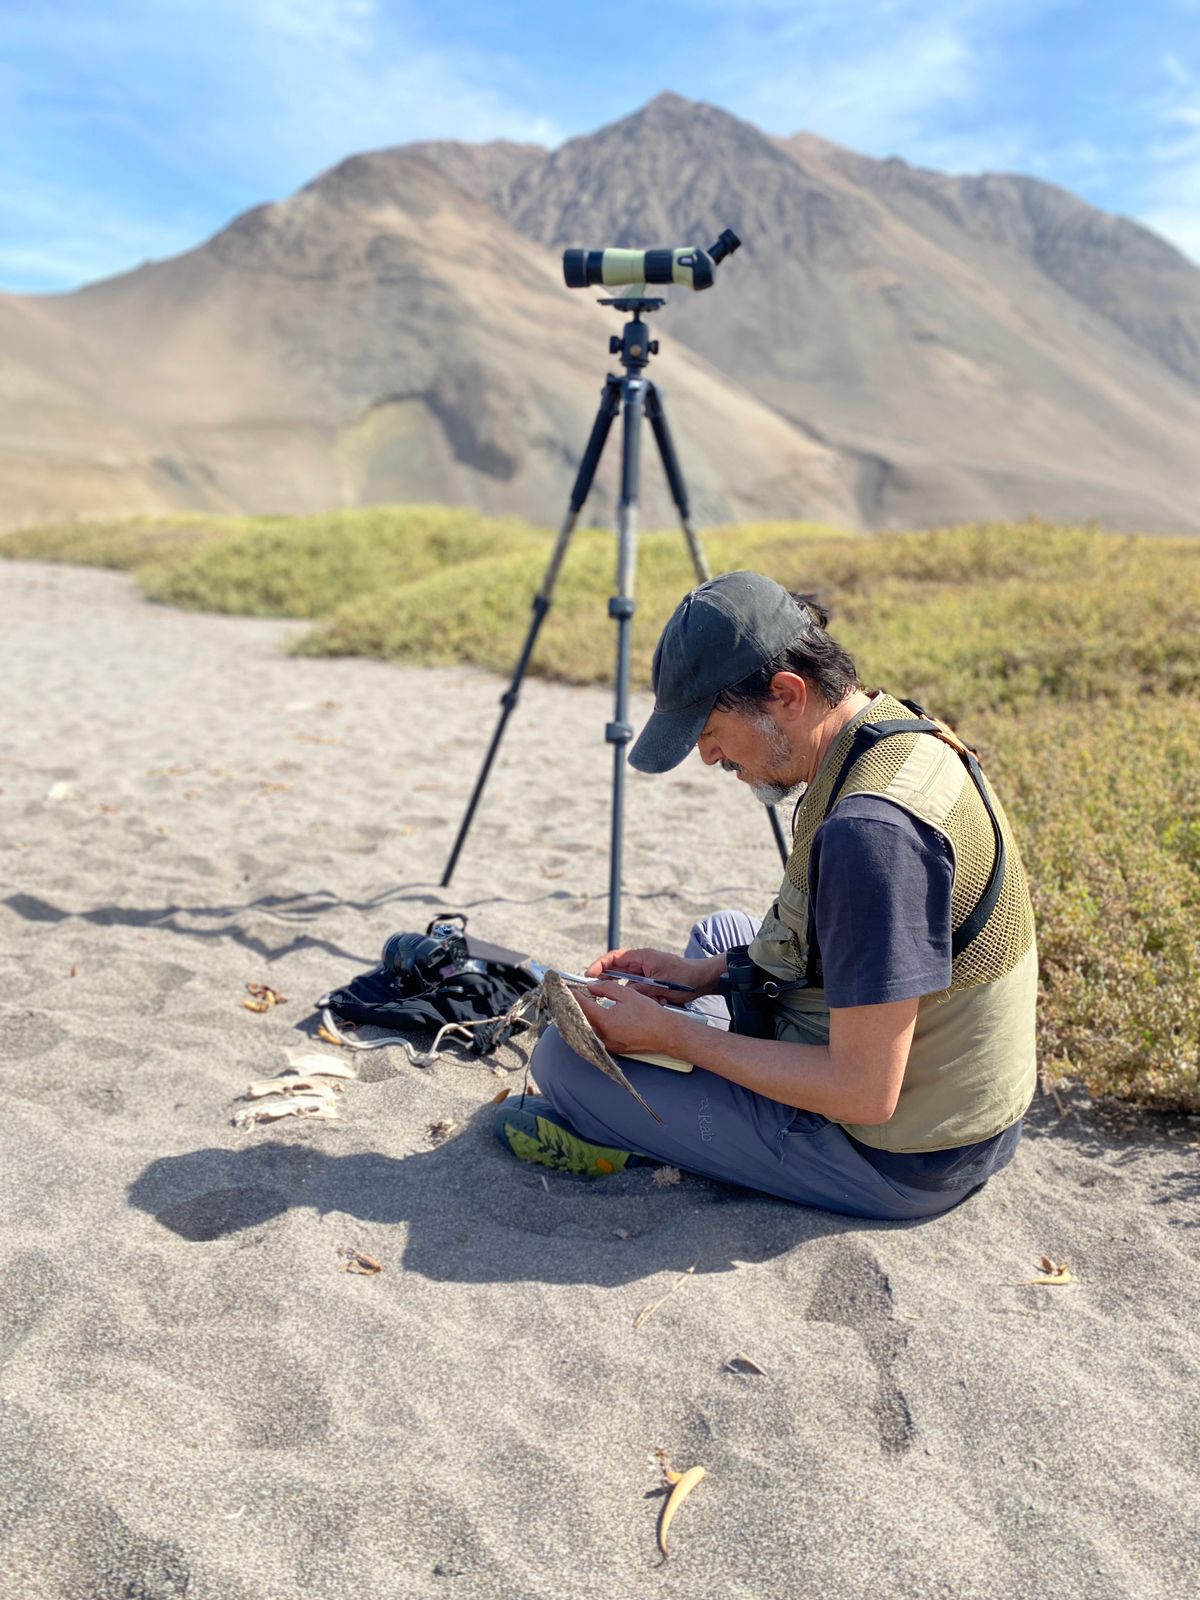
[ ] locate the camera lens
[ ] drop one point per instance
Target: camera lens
(414, 952)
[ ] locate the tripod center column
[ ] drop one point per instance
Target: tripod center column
(621, 608)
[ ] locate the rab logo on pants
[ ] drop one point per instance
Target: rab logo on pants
(705, 1121)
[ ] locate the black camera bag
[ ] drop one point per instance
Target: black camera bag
(382, 999)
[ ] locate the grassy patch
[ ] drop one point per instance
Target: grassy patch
(279, 566)
(1105, 799)
(1071, 657)
(480, 614)
(123, 543)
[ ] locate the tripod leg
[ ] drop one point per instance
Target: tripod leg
(670, 461)
(656, 412)
(610, 402)
(621, 608)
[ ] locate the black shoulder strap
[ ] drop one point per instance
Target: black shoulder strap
(866, 737)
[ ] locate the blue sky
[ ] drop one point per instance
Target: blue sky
(133, 129)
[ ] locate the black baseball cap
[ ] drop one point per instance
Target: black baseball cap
(719, 634)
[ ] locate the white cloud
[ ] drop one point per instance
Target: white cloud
(342, 20)
(1181, 227)
(54, 240)
(285, 87)
(160, 113)
(868, 80)
(873, 101)
(1171, 191)
(885, 77)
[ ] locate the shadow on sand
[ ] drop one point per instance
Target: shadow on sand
(291, 912)
(475, 1215)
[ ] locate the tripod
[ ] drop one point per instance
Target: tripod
(639, 397)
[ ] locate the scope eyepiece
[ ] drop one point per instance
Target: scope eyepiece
(687, 265)
(725, 246)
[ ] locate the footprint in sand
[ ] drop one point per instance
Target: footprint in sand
(853, 1292)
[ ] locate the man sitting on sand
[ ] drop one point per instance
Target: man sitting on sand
(881, 1053)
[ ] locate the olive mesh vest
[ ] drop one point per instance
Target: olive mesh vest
(972, 1066)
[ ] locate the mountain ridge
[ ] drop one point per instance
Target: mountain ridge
(891, 346)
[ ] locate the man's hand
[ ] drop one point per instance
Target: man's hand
(702, 975)
(632, 1022)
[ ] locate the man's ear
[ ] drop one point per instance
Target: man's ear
(791, 695)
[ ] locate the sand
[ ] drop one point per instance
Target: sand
(196, 1401)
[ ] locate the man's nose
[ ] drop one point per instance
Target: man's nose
(710, 752)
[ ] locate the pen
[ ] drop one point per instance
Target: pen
(640, 977)
(539, 970)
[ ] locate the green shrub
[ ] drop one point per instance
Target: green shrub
(120, 543)
(278, 566)
(956, 618)
(480, 614)
(308, 566)
(1105, 799)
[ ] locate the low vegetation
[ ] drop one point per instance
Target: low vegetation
(1069, 656)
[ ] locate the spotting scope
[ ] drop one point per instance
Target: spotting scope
(687, 265)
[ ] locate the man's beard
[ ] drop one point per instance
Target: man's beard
(773, 794)
(769, 792)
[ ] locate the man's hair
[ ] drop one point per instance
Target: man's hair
(813, 655)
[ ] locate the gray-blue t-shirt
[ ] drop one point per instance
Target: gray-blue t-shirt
(881, 904)
(881, 883)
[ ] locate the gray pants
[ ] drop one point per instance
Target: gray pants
(717, 1128)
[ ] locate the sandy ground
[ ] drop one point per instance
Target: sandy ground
(195, 1401)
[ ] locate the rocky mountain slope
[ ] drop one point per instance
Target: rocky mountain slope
(889, 347)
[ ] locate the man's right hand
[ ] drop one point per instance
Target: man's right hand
(702, 976)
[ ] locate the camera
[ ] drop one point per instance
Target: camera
(426, 959)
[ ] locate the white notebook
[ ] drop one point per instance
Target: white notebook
(672, 1062)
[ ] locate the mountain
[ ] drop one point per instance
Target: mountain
(889, 347)
(1125, 272)
(974, 346)
(380, 336)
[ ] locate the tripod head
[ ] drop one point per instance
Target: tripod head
(634, 344)
(636, 303)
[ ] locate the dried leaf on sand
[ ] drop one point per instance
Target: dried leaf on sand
(264, 992)
(744, 1366)
(681, 1485)
(439, 1132)
(1052, 1272)
(363, 1265)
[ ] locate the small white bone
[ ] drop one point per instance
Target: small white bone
(317, 1064)
(296, 1105)
(291, 1086)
